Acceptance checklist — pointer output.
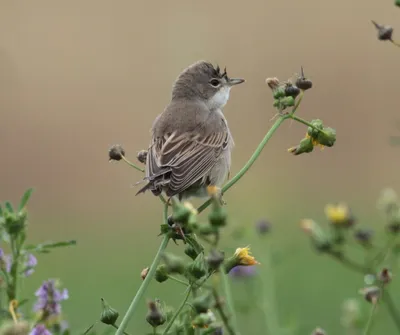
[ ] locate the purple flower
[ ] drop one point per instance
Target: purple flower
(243, 271)
(49, 298)
(5, 261)
(40, 330)
(263, 226)
(30, 263)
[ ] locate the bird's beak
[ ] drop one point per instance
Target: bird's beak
(235, 81)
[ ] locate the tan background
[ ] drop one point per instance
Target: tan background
(79, 76)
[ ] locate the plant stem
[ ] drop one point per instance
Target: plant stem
(183, 303)
(13, 285)
(228, 297)
(370, 319)
(250, 162)
(131, 164)
(178, 280)
(257, 152)
(136, 300)
(393, 311)
(221, 312)
(116, 327)
(298, 119)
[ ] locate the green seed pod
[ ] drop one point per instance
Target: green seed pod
(206, 229)
(327, 137)
(318, 125)
(215, 259)
(287, 102)
(109, 315)
(155, 317)
(203, 303)
(305, 146)
(217, 217)
(161, 274)
(174, 263)
(198, 268)
(190, 252)
(279, 92)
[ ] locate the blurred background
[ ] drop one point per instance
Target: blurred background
(79, 76)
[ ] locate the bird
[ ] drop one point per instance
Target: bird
(191, 144)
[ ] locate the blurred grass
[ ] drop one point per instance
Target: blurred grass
(310, 288)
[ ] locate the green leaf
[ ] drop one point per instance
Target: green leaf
(9, 207)
(43, 246)
(1, 211)
(25, 199)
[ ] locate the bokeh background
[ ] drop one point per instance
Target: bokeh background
(79, 76)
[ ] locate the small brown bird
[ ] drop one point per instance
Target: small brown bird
(191, 144)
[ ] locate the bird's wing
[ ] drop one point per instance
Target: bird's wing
(181, 160)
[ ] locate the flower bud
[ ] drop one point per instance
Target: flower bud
(327, 137)
(371, 294)
(155, 317)
(203, 303)
(384, 32)
(363, 236)
(190, 252)
(144, 273)
(198, 268)
(319, 239)
(273, 83)
(142, 156)
(14, 223)
(174, 264)
(109, 315)
(215, 259)
(116, 152)
(279, 93)
(302, 82)
(385, 276)
(217, 217)
(314, 131)
(263, 227)
(388, 201)
(291, 90)
(397, 3)
(305, 146)
(242, 256)
(161, 274)
(206, 229)
(203, 320)
(339, 215)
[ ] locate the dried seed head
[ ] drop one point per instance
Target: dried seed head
(385, 276)
(142, 156)
(144, 273)
(302, 82)
(291, 90)
(371, 294)
(116, 152)
(384, 32)
(273, 83)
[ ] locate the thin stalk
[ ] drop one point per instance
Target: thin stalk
(368, 327)
(142, 289)
(228, 297)
(178, 280)
(182, 305)
(222, 314)
(393, 311)
(298, 119)
(116, 327)
(256, 153)
(131, 164)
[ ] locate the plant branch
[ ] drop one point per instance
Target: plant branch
(222, 314)
(131, 164)
(181, 306)
(393, 311)
(116, 327)
(298, 119)
(142, 289)
(368, 327)
(228, 297)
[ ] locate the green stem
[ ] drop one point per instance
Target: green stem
(131, 164)
(178, 280)
(221, 312)
(12, 287)
(298, 119)
(251, 161)
(368, 327)
(393, 311)
(228, 297)
(183, 303)
(142, 289)
(256, 153)
(116, 327)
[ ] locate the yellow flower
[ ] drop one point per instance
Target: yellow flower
(315, 142)
(244, 257)
(190, 207)
(338, 214)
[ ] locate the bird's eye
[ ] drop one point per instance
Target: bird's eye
(214, 82)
